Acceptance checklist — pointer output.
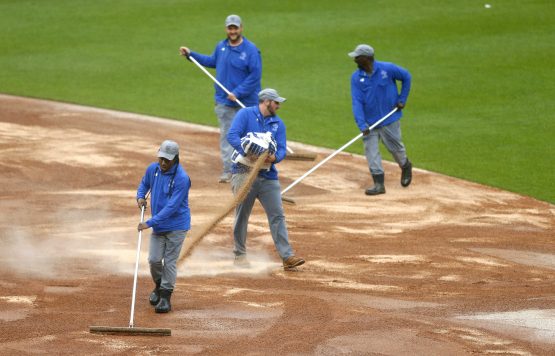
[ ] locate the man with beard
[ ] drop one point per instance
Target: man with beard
(255, 130)
(374, 93)
(239, 69)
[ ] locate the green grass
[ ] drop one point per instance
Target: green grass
(481, 107)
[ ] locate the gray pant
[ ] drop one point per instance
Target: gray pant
(391, 137)
(268, 193)
(162, 256)
(225, 116)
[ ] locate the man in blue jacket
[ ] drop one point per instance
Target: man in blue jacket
(239, 69)
(255, 130)
(374, 94)
(169, 186)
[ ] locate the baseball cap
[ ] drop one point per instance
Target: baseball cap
(168, 150)
(362, 50)
(233, 20)
(270, 94)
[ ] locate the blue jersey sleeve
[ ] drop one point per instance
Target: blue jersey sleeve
(357, 98)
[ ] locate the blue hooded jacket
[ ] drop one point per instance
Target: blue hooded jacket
(376, 95)
(251, 120)
(238, 69)
(169, 199)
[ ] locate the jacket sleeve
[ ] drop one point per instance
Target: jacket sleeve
(144, 185)
(237, 130)
(179, 194)
(402, 75)
(357, 97)
(281, 141)
(250, 83)
(204, 60)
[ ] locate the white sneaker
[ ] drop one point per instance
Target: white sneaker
(225, 178)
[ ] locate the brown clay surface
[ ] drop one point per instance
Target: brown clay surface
(445, 267)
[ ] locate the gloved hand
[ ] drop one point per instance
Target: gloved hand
(365, 132)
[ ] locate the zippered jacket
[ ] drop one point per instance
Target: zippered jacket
(251, 120)
(375, 95)
(169, 198)
(238, 69)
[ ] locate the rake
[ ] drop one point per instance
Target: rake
(131, 329)
(290, 154)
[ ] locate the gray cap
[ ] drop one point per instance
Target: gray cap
(168, 150)
(270, 94)
(233, 20)
(362, 50)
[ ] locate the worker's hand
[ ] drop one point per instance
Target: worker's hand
(184, 51)
(232, 97)
(142, 226)
(400, 105)
(270, 159)
(365, 132)
(141, 202)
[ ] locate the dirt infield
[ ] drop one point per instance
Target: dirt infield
(444, 267)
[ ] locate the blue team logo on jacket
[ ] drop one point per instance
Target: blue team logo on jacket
(274, 127)
(243, 56)
(384, 74)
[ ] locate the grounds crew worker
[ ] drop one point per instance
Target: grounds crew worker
(253, 131)
(374, 93)
(169, 185)
(239, 69)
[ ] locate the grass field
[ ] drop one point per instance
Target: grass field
(481, 107)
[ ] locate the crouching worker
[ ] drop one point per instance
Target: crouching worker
(169, 185)
(255, 130)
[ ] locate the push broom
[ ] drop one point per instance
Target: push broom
(290, 154)
(131, 329)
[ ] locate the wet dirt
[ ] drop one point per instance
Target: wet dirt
(442, 267)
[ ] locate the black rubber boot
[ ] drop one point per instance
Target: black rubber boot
(164, 304)
(406, 174)
(379, 187)
(154, 297)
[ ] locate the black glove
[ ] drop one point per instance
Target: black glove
(365, 132)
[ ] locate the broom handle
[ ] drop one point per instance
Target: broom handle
(136, 269)
(221, 86)
(336, 152)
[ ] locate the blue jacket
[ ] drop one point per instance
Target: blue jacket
(251, 120)
(169, 198)
(376, 95)
(238, 69)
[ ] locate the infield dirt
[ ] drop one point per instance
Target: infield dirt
(444, 267)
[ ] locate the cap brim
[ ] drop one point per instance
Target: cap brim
(165, 155)
(233, 24)
(353, 54)
(280, 99)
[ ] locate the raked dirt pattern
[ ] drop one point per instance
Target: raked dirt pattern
(444, 267)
